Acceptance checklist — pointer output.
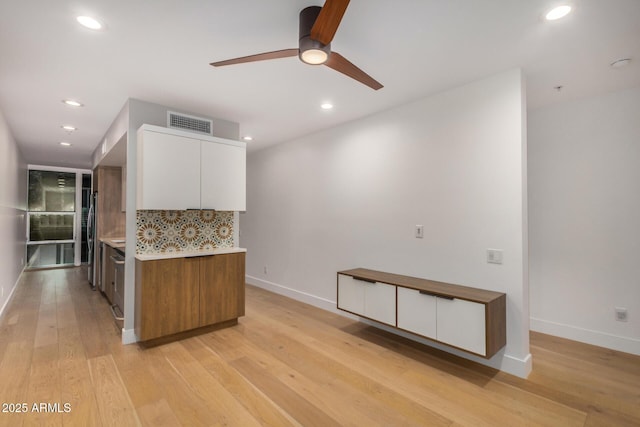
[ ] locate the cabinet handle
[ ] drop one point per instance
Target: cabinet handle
(363, 279)
(437, 295)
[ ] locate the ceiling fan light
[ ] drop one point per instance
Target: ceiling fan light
(314, 56)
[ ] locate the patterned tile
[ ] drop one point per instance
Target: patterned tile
(175, 231)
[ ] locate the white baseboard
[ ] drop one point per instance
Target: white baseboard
(310, 299)
(129, 336)
(501, 361)
(10, 296)
(601, 339)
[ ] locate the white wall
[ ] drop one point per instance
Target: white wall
(13, 199)
(351, 196)
(584, 211)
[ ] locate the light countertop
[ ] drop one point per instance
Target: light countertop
(189, 254)
(114, 242)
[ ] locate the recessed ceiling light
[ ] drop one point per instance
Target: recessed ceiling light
(72, 103)
(620, 63)
(327, 106)
(66, 144)
(247, 138)
(89, 22)
(69, 128)
(558, 12)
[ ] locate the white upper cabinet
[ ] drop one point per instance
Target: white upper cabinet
(223, 176)
(168, 176)
(178, 171)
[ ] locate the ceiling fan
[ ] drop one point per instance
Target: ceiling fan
(317, 27)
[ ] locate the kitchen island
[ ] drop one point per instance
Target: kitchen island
(186, 292)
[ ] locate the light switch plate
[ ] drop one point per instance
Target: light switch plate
(419, 231)
(621, 314)
(494, 256)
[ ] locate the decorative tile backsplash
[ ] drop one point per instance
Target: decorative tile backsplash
(174, 231)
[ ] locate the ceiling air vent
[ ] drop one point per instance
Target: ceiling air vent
(189, 123)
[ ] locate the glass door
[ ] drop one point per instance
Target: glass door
(51, 222)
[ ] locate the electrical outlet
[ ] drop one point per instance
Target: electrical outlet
(621, 314)
(494, 256)
(265, 269)
(419, 231)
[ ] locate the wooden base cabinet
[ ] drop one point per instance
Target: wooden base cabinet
(179, 294)
(221, 288)
(167, 297)
(108, 272)
(469, 319)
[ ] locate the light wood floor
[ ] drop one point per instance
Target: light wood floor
(285, 364)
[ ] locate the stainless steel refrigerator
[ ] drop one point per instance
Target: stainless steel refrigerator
(92, 241)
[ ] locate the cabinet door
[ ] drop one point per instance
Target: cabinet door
(166, 297)
(380, 302)
(168, 172)
(462, 324)
(350, 294)
(224, 171)
(374, 300)
(108, 272)
(417, 312)
(221, 288)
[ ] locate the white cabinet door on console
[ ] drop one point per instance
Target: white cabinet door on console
(350, 294)
(224, 171)
(168, 172)
(417, 312)
(380, 302)
(366, 298)
(462, 324)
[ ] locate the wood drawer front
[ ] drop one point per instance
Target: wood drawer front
(462, 324)
(417, 312)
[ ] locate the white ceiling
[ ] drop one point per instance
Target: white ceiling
(159, 51)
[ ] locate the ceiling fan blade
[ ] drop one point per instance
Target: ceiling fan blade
(276, 54)
(328, 20)
(342, 65)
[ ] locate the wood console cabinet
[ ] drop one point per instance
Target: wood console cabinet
(179, 294)
(470, 319)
